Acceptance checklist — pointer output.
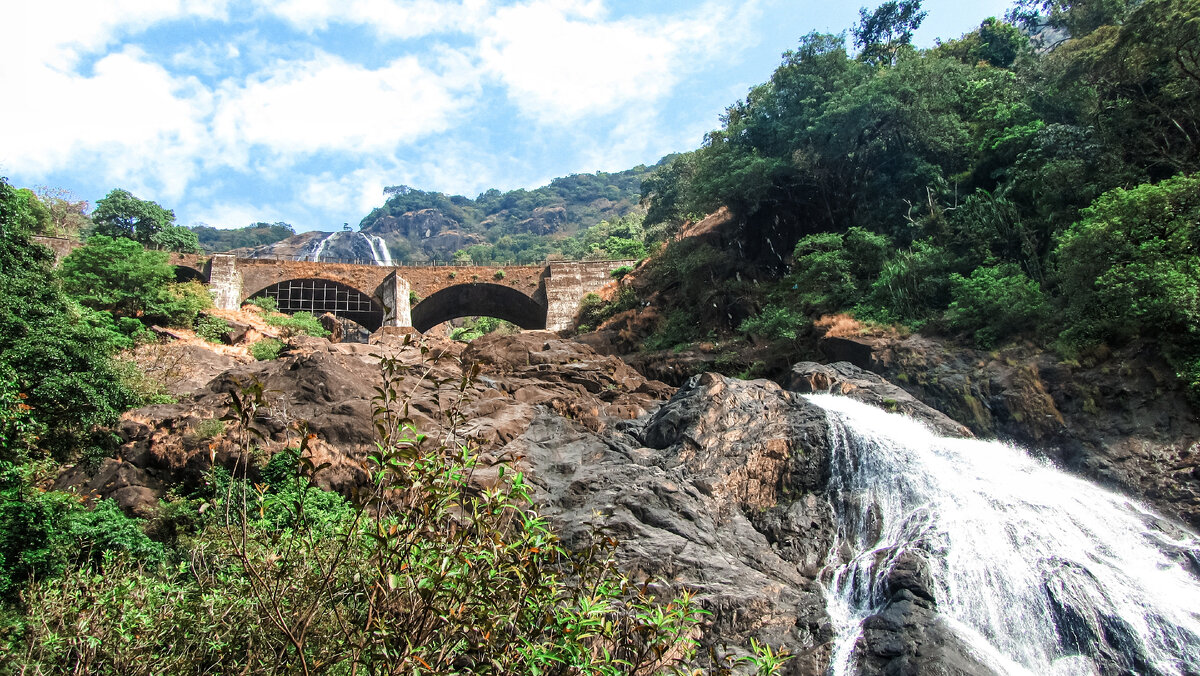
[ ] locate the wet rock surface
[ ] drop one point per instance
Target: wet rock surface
(907, 637)
(718, 491)
(851, 381)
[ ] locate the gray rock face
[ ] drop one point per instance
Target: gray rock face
(719, 491)
(906, 637)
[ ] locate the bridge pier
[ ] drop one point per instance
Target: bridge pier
(225, 282)
(397, 305)
(567, 283)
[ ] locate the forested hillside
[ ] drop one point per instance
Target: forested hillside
(256, 234)
(993, 187)
(519, 225)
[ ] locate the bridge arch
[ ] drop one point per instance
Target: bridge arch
(186, 273)
(478, 300)
(318, 296)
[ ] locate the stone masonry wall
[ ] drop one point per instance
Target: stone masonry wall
(567, 284)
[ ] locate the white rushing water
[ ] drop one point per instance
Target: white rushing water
(379, 251)
(375, 251)
(315, 254)
(1038, 572)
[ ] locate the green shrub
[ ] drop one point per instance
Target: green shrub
(912, 287)
(146, 390)
(413, 298)
(212, 329)
(54, 352)
(499, 275)
(207, 429)
(1129, 266)
(265, 303)
(266, 349)
(422, 573)
(677, 329)
(775, 323)
(996, 302)
(620, 272)
(833, 271)
(42, 532)
(121, 277)
(301, 323)
(185, 302)
(594, 311)
(474, 327)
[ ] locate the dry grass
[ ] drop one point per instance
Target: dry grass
(843, 325)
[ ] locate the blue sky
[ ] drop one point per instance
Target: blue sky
(303, 110)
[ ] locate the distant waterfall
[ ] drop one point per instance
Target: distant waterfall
(315, 255)
(379, 250)
(1037, 572)
(348, 247)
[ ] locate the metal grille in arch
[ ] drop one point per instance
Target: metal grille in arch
(318, 296)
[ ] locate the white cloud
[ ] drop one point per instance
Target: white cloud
(211, 59)
(235, 215)
(130, 117)
(272, 104)
(352, 194)
(58, 32)
(399, 19)
(328, 104)
(562, 61)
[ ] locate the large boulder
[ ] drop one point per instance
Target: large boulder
(720, 491)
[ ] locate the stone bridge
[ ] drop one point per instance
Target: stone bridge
(531, 296)
(544, 296)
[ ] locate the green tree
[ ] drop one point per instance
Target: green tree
(882, 33)
(995, 303)
(55, 353)
(68, 215)
(120, 214)
(834, 270)
(121, 277)
(1131, 267)
(1078, 17)
(176, 238)
(999, 43)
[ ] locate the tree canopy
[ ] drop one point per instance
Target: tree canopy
(1014, 183)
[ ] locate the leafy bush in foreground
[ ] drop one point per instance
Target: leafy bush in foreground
(422, 572)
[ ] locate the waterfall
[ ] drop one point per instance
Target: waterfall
(379, 251)
(1036, 571)
(315, 254)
